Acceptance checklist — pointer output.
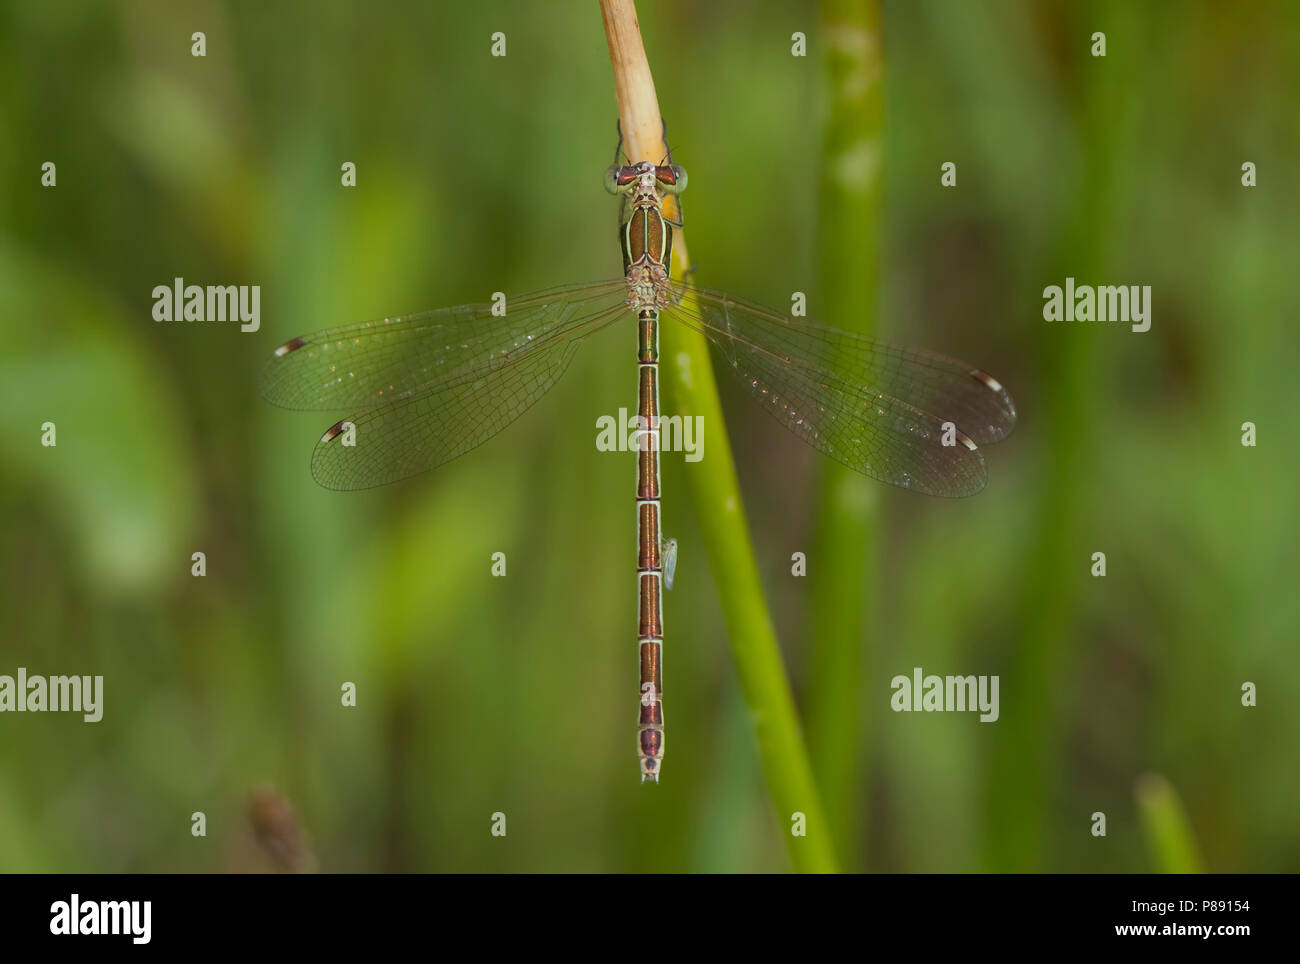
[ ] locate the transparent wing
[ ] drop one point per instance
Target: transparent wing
(875, 407)
(369, 364)
(424, 429)
(953, 389)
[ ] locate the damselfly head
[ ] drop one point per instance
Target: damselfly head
(645, 177)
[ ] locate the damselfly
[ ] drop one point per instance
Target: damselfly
(428, 387)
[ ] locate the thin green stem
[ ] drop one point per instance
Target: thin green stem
(842, 562)
(1026, 760)
(715, 494)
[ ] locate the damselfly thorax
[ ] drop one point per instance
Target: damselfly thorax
(427, 388)
(646, 234)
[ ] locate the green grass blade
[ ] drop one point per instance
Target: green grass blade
(846, 520)
(715, 494)
(1165, 825)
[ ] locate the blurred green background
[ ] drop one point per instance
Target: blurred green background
(476, 695)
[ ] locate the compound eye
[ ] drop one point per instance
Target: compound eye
(619, 177)
(672, 177)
